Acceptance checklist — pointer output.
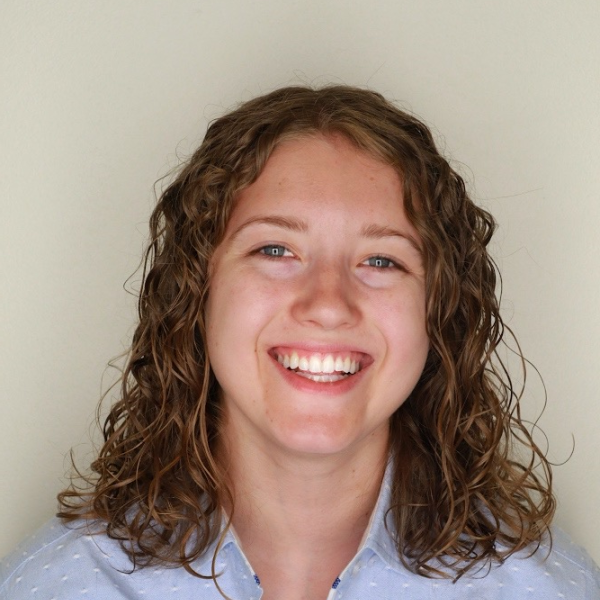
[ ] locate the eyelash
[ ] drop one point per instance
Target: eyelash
(281, 250)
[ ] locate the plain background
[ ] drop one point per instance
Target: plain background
(100, 99)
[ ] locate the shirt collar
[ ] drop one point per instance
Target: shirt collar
(379, 536)
(228, 556)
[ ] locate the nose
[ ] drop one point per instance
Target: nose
(327, 299)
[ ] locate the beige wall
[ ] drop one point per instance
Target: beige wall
(99, 98)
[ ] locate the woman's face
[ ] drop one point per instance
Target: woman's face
(316, 310)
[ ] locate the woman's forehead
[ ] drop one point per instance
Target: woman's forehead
(316, 178)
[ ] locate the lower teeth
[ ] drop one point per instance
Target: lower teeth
(322, 377)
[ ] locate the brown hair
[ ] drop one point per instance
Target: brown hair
(460, 498)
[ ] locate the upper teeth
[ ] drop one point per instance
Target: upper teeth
(326, 363)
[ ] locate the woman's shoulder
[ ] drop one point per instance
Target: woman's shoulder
(71, 561)
(58, 557)
(558, 568)
(52, 536)
(561, 559)
(563, 546)
(78, 560)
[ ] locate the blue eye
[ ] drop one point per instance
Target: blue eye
(273, 250)
(380, 262)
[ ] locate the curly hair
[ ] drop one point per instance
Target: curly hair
(460, 496)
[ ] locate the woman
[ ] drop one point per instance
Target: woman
(313, 406)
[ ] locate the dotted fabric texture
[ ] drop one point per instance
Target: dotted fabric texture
(60, 563)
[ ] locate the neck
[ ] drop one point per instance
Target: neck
(307, 510)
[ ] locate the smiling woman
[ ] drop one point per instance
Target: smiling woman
(331, 292)
(313, 405)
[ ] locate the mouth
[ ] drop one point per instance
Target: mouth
(321, 367)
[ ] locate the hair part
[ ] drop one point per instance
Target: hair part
(460, 498)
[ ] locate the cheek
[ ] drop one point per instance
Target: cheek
(402, 309)
(403, 324)
(238, 309)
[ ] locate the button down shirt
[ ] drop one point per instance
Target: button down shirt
(65, 563)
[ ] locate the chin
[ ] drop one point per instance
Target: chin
(318, 438)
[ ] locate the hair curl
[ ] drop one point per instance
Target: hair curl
(460, 498)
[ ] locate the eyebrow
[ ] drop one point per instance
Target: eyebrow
(284, 222)
(379, 231)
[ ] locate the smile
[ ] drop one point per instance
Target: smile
(319, 367)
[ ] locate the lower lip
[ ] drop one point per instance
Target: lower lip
(331, 388)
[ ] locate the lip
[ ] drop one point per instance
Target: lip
(328, 388)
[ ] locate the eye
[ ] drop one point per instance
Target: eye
(380, 262)
(274, 251)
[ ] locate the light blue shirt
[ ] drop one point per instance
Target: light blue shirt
(60, 563)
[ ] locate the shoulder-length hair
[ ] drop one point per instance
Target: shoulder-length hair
(460, 498)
